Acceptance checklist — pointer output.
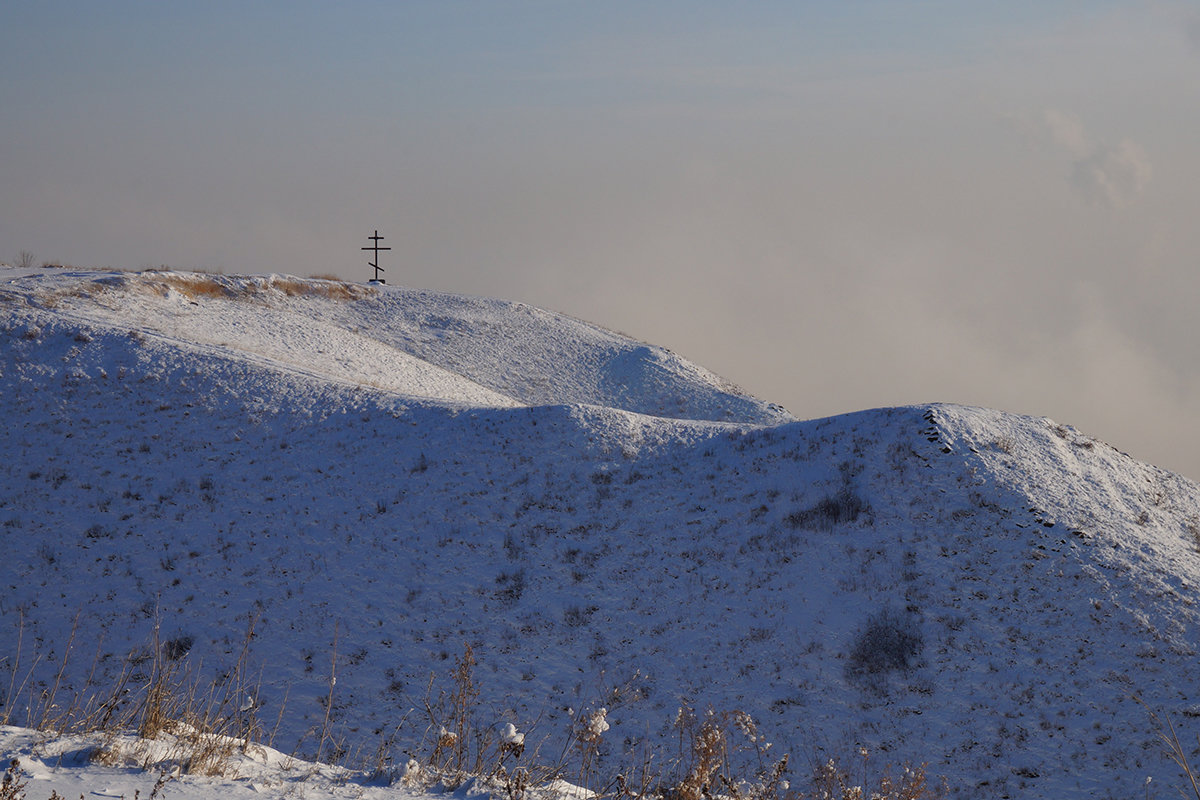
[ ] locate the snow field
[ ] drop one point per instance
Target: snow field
(201, 465)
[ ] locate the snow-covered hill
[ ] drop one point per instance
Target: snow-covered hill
(451, 349)
(380, 476)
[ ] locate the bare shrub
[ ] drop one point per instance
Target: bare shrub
(463, 700)
(890, 641)
(712, 744)
(706, 752)
(25, 260)
(178, 647)
(834, 509)
(12, 787)
(511, 587)
(579, 616)
(452, 719)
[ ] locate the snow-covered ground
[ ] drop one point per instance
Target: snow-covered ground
(69, 766)
(380, 476)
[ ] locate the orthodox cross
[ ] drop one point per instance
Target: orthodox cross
(376, 248)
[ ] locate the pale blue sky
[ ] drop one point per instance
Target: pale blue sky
(836, 205)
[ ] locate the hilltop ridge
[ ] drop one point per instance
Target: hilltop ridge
(585, 511)
(433, 346)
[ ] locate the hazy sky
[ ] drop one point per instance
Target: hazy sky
(836, 205)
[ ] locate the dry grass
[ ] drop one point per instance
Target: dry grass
(161, 714)
(460, 744)
(1175, 750)
(332, 289)
(177, 716)
(720, 755)
(190, 285)
(833, 782)
(199, 286)
(12, 787)
(705, 756)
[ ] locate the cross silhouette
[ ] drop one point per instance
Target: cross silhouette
(376, 248)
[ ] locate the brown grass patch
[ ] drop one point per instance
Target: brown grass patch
(203, 285)
(196, 286)
(192, 286)
(331, 288)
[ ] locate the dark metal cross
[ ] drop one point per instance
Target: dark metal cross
(376, 248)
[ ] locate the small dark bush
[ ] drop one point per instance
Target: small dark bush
(98, 531)
(845, 506)
(512, 585)
(177, 648)
(47, 554)
(577, 617)
(890, 641)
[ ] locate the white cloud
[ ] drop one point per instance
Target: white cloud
(1112, 176)
(1103, 174)
(1068, 131)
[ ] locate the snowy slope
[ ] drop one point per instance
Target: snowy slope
(449, 348)
(383, 476)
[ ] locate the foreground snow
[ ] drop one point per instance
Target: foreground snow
(382, 477)
(127, 767)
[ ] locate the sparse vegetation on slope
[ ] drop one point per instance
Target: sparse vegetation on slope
(161, 718)
(199, 463)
